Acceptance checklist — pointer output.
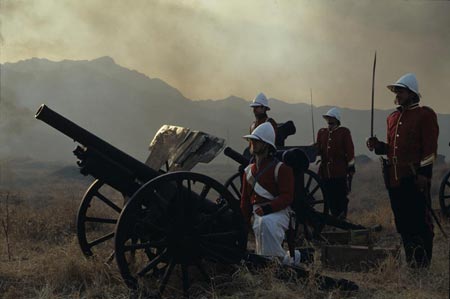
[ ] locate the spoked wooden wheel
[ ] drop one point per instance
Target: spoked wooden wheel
(234, 185)
(444, 195)
(314, 192)
(97, 216)
(173, 224)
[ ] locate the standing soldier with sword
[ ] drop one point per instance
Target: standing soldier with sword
(411, 147)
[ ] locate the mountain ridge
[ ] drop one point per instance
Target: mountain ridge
(126, 108)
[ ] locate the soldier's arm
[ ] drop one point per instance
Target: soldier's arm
(380, 147)
(429, 132)
(349, 152)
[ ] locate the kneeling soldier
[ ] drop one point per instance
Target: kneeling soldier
(267, 193)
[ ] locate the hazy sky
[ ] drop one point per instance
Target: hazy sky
(212, 49)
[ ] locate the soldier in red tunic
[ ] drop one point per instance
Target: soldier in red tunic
(267, 193)
(260, 107)
(411, 147)
(337, 165)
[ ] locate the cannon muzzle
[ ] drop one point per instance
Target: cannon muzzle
(99, 158)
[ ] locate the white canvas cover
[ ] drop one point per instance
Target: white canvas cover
(182, 148)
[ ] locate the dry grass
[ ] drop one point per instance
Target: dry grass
(46, 261)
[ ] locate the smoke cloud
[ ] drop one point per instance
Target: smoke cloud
(211, 49)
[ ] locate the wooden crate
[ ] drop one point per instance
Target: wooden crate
(350, 237)
(355, 258)
(364, 237)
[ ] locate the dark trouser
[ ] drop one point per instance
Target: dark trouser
(336, 195)
(413, 222)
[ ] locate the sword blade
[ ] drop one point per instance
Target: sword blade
(373, 94)
(312, 119)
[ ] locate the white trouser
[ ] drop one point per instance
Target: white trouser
(269, 232)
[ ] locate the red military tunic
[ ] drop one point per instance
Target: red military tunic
(282, 187)
(337, 152)
(412, 136)
(257, 122)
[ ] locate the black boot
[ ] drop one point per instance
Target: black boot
(418, 249)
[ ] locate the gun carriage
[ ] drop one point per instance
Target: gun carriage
(444, 194)
(163, 220)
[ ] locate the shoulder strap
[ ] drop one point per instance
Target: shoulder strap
(276, 170)
(258, 175)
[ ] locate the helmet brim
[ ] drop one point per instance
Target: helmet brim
(258, 105)
(254, 137)
(391, 87)
(330, 116)
(251, 137)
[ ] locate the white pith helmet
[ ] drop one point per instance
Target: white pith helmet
(333, 112)
(260, 100)
(408, 81)
(264, 132)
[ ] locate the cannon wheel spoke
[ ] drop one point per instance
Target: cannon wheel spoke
(153, 263)
(314, 192)
(176, 230)
(101, 220)
(234, 185)
(108, 202)
(101, 239)
(96, 220)
(308, 183)
(444, 195)
(166, 276)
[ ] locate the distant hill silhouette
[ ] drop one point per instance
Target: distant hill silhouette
(126, 108)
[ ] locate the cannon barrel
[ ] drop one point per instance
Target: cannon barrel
(231, 153)
(99, 158)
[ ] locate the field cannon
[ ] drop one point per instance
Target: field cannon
(444, 194)
(166, 222)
